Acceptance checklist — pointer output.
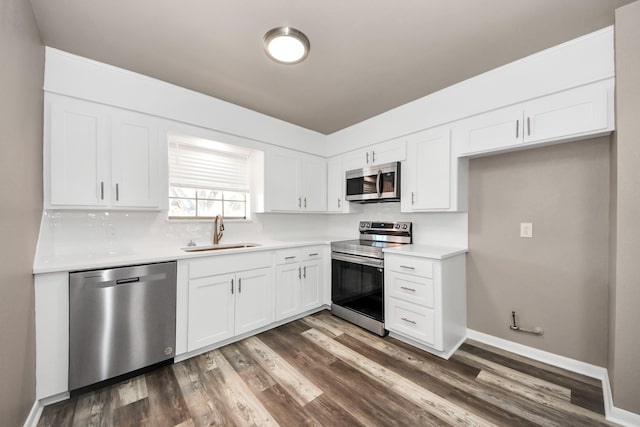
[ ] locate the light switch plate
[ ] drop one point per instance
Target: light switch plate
(526, 229)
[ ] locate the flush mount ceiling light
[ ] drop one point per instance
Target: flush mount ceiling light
(286, 45)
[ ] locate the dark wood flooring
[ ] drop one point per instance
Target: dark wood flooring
(322, 371)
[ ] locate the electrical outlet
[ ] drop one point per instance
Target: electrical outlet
(526, 229)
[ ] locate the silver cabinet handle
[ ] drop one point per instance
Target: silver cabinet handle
(305, 202)
(339, 202)
(231, 286)
(299, 272)
(529, 126)
(517, 128)
(290, 257)
(304, 271)
(101, 190)
(314, 254)
(407, 289)
(408, 321)
(408, 267)
(117, 192)
(373, 156)
(413, 198)
(367, 157)
(299, 202)
(240, 285)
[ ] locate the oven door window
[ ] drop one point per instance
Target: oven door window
(358, 287)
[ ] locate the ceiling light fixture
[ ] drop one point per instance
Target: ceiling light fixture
(286, 45)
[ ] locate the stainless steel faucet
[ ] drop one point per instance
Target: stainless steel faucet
(218, 229)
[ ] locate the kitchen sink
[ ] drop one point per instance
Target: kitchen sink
(207, 248)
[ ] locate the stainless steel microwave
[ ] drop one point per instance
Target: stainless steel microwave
(374, 184)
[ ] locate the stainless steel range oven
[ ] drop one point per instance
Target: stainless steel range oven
(357, 273)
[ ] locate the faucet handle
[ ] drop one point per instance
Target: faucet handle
(191, 243)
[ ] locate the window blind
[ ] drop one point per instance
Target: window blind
(192, 166)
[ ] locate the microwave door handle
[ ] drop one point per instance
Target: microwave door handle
(378, 182)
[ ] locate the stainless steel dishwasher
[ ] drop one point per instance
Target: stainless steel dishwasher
(120, 320)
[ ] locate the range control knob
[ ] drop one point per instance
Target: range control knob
(397, 226)
(404, 226)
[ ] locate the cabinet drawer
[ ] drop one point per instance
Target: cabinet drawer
(288, 256)
(409, 265)
(215, 265)
(414, 321)
(410, 288)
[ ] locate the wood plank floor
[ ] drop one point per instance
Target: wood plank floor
(322, 371)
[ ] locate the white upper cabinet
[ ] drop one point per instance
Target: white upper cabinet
(76, 141)
(335, 187)
(313, 179)
(582, 112)
(432, 176)
(295, 182)
(134, 164)
(378, 154)
(573, 112)
(98, 156)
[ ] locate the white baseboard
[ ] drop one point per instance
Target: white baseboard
(613, 414)
(34, 414)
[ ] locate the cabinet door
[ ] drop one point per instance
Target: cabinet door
(134, 160)
(288, 290)
(387, 152)
(253, 300)
(310, 286)
(335, 186)
(427, 172)
(313, 176)
(491, 131)
(282, 182)
(211, 310)
(79, 154)
(384, 152)
(565, 114)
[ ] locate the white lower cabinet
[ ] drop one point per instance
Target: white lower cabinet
(298, 281)
(425, 301)
(228, 296)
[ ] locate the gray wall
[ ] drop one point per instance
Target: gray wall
(21, 79)
(624, 348)
(558, 279)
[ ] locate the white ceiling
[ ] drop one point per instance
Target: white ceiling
(367, 56)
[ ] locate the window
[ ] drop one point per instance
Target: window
(205, 182)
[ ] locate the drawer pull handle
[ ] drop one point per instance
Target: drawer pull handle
(407, 289)
(314, 254)
(409, 321)
(407, 267)
(290, 257)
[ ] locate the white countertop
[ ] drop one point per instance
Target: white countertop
(426, 251)
(90, 261)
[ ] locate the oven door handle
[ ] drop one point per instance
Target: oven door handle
(371, 262)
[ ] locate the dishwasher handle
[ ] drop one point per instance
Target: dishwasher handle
(129, 280)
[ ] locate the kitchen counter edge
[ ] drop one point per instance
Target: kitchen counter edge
(426, 251)
(160, 255)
